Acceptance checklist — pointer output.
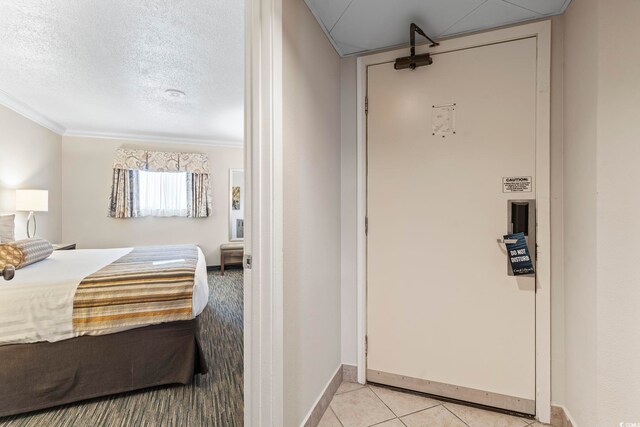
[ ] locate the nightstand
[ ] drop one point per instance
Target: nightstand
(64, 246)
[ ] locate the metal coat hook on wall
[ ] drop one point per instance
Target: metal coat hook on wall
(414, 61)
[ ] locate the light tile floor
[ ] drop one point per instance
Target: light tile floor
(355, 405)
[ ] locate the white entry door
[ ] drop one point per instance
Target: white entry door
(443, 314)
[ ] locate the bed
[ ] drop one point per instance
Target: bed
(58, 346)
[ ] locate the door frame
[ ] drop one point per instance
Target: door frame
(263, 281)
(541, 30)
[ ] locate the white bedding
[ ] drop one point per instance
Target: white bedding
(38, 303)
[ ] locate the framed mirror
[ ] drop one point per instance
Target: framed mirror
(236, 205)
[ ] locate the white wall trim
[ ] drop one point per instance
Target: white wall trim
(543, 236)
(152, 138)
(30, 113)
(361, 212)
(263, 297)
(542, 31)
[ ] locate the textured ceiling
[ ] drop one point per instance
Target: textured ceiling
(358, 26)
(102, 67)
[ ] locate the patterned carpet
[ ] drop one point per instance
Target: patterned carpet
(215, 399)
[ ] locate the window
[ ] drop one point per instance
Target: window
(163, 193)
(155, 183)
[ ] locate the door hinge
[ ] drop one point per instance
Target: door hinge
(366, 105)
(247, 261)
(366, 225)
(366, 345)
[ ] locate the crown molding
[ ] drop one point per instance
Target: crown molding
(25, 110)
(153, 138)
(31, 114)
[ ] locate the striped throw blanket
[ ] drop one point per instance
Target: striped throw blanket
(148, 285)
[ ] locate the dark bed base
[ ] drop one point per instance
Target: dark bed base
(42, 375)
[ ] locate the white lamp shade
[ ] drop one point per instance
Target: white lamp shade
(32, 200)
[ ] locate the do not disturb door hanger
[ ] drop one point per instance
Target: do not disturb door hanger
(518, 253)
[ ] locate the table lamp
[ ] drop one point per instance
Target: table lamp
(32, 201)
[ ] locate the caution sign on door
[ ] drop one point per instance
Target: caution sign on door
(516, 184)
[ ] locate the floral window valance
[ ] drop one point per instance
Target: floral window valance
(160, 161)
(128, 164)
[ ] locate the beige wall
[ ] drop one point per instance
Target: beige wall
(311, 116)
(580, 139)
(30, 158)
(86, 182)
(618, 211)
(601, 173)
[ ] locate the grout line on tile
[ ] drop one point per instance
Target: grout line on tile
(437, 398)
(455, 415)
(485, 408)
(351, 391)
(383, 402)
(358, 389)
(385, 421)
(335, 415)
(443, 401)
(422, 410)
(411, 394)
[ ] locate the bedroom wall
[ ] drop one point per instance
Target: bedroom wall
(601, 108)
(311, 132)
(580, 217)
(30, 157)
(618, 213)
(86, 185)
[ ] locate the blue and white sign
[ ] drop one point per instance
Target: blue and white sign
(518, 252)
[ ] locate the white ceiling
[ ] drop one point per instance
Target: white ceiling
(97, 67)
(358, 26)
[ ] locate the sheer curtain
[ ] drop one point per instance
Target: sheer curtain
(158, 183)
(163, 193)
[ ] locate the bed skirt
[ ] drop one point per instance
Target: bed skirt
(42, 375)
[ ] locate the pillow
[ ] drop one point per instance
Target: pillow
(24, 252)
(7, 228)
